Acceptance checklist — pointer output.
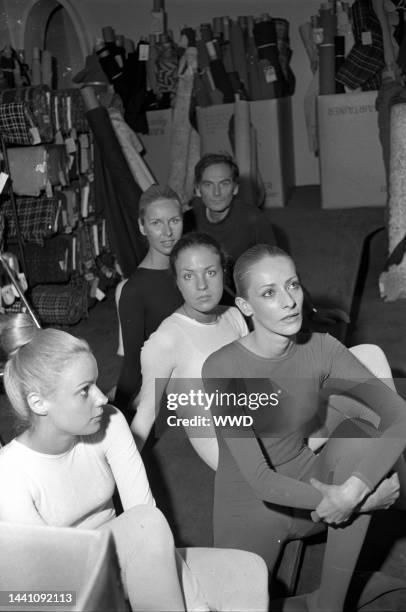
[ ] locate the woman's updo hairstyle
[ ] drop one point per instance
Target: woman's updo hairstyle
(250, 257)
(35, 359)
(195, 239)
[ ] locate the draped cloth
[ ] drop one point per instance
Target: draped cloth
(392, 282)
(116, 192)
(185, 141)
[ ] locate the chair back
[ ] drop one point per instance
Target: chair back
(119, 288)
(48, 560)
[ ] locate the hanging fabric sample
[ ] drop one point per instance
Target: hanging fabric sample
(17, 124)
(364, 63)
(116, 191)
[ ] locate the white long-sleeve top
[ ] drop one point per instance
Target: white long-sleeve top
(175, 354)
(74, 488)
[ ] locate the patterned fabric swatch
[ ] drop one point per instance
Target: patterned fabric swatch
(37, 218)
(61, 304)
(16, 122)
(363, 65)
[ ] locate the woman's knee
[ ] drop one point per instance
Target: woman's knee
(145, 524)
(375, 360)
(348, 444)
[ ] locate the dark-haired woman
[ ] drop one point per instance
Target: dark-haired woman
(173, 356)
(268, 481)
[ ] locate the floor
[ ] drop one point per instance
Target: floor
(377, 322)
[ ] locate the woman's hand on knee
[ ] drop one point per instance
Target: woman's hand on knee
(384, 496)
(339, 501)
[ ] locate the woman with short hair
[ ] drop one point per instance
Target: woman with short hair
(269, 485)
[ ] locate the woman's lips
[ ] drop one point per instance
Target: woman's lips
(291, 317)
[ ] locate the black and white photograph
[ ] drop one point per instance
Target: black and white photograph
(202, 305)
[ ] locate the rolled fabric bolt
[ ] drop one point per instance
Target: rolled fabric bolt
(306, 34)
(272, 80)
(397, 176)
(192, 159)
(181, 129)
(239, 52)
(388, 48)
(344, 27)
(151, 62)
(327, 51)
(243, 23)
(120, 47)
(226, 28)
(190, 36)
(201, 91)
(339, 47)
(89, 98)
(46, 68)
(203, 58)
(219, 74)
(109, 35)
(130, 146)
(254, 88)
(242, 138)
(129, 46)
(36, 75)
(218, 27)
(206, 32)
(216, 95)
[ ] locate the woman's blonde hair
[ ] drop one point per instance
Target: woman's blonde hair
(36, 359)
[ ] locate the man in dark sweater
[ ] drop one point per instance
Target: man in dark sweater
(218, 211)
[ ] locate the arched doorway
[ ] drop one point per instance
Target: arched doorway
(54, 26)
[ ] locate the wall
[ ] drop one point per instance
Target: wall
(132, 18)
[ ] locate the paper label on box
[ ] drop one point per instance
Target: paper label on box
(99, 295)
(23, 282)
(36, 138)
(270, 74)
(70, 145)
(84, 141)
(143, 52)
(318, 36)
(48, 189)
(366, 38)
(3, 180)
(157, 22)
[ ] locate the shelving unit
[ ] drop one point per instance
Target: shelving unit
(51, 220)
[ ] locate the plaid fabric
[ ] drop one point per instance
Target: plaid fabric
(36, 216)
(61, 304)
(17, 306)
(364, 63)
(51, 263)
(15, 123)
(37, 99)
(166, 67)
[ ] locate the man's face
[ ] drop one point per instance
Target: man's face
(217, 188)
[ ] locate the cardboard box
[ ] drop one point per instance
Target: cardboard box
(352, 171)
(272, 120)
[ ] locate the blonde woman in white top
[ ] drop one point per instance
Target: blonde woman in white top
(62, 469)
